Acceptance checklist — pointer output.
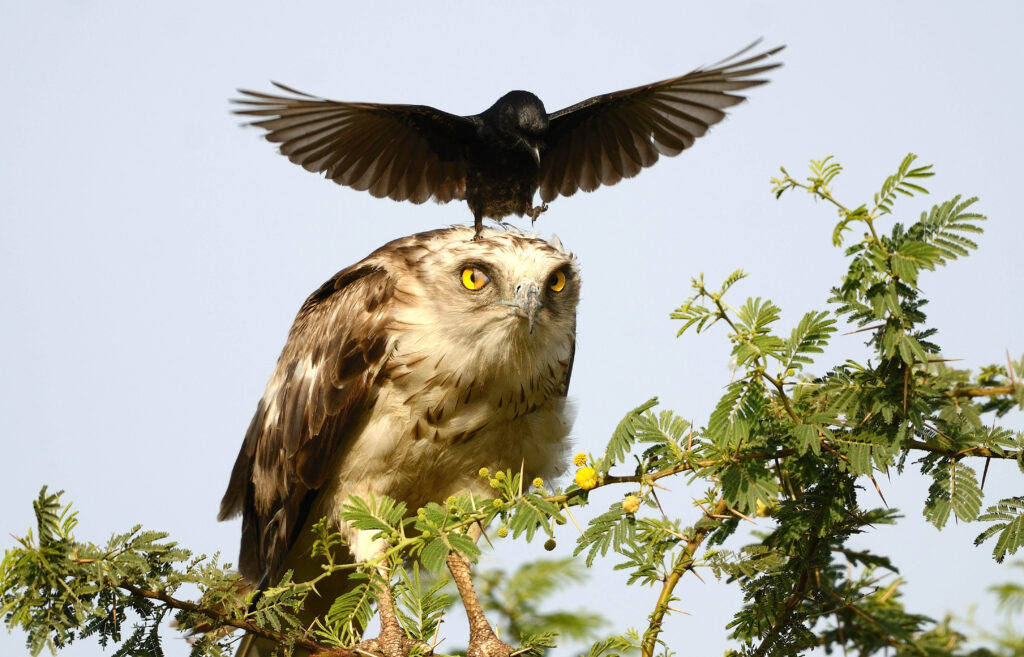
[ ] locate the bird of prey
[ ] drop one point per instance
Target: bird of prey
(497, 160)
(403, 375)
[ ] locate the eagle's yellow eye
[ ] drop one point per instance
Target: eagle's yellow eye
(474, 279)
(557, 281)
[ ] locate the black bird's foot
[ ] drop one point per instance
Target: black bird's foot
(536, 211)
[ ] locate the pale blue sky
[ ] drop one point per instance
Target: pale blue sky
(153, 254)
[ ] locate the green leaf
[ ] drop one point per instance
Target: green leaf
(810, 336)
(954, 488)
(434, 554)
(1008, 518)
(382, 514)
(945, 227)
(756, 315)
(532, 513)
(730, 421)
(609, 530)
(624, 436)
(420, 609)
(899, 183)
(349, 614)
(746, 482)
(912, 256)
(808, 438)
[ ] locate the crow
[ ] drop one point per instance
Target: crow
(497, 160)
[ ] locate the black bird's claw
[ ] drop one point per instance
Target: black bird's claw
(535, 212)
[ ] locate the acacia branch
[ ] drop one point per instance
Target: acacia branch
(783, 396)
(986, 391)
(683, 564)
(224, 619)
(984, 452)
(607, 480)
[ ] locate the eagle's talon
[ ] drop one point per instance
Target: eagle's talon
(392, 640)
(390, 644)
(490, 646)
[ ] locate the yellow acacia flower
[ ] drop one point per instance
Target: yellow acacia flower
(586, 478)
(631, 504)
(579, 459)
(502, 532)
(538, 482)
(484, 472)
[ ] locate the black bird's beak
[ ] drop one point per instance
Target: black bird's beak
(526, 303)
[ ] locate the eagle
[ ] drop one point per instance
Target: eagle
(497, 160)
(403, 375)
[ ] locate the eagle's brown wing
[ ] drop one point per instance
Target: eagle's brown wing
(607, 138)
(334, 357)
(404, 152)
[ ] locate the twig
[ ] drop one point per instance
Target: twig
(765, 456)
(970, 451)
(683, 563)
(241, 624)
(985, 391)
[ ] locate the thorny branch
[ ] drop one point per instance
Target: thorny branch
(683, 564)
(608, 480)
(990, 391)
(225, 620)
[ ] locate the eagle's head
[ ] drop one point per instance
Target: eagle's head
(507, 299)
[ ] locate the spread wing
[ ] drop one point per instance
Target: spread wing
(405, 152)
(607, 138)
(324, 380)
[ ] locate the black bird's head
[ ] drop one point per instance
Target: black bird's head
(520, 117)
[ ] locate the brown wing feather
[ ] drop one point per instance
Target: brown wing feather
(606, 138)
(404, 152)
(334, 357)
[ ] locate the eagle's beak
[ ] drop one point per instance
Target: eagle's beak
(526, 303)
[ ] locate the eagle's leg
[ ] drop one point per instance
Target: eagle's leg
(483, 642)
(392, 640)
(536, 211)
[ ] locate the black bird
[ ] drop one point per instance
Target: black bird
(498, 159)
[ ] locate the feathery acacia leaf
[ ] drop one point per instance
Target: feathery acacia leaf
(810, 336)
(1007, 517)
(624, 436)
(900, 183)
